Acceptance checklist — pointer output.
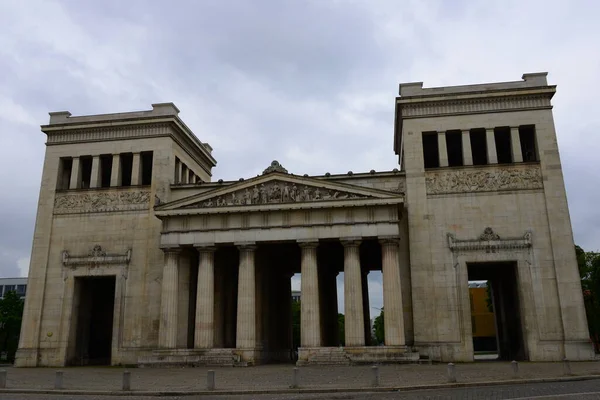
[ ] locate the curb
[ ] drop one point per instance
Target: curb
(216, 392)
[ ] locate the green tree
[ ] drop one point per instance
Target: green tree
(295, 325)
(342, 329)
(378, 327)
(589, 270)
(11, 313)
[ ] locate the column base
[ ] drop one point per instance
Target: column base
(26, 358)
(356, 355)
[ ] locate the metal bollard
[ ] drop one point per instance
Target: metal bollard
(58, 380)
(515, 369)
(295, 378)
(451, 373)
(375, 381)
(2, 378)
(567, 367)
(210, 380)
(126, 380)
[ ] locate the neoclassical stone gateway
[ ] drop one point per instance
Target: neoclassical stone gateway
(138, 258)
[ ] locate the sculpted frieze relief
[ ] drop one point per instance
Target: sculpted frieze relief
(101, 201)
(276, 192)
(483, 180)
(490, 242)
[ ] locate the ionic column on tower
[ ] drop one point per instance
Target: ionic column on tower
(204, 334)
(136, 170)
(392, 293)
(75, 180)
(115, 173)
(354, 318)
(442, 149)
(515, 141)
(95, 177)
(167, 337)
(246, 334)
(310, 318)
(466, 147)
(490, 140)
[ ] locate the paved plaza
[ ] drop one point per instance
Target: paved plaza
(278, 377)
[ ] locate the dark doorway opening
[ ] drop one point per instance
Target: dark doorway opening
(93, 303)
(504, 302)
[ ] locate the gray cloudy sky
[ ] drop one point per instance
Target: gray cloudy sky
(310, 83)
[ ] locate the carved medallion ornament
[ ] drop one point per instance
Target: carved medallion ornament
(276, 192)
(101, 201)
(275, 167)
(483, 180)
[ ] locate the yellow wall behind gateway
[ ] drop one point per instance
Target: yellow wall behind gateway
(482, 319)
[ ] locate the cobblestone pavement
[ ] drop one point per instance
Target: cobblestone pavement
(585, 390)
(279, 376)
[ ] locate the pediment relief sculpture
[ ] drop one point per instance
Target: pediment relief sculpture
(276, 192)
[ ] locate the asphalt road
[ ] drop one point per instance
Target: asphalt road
(588, 389)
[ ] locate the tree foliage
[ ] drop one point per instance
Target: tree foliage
(11, 313)
(589, 270)
(378, 328)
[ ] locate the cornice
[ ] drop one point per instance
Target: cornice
(132, 129)
(457, 105)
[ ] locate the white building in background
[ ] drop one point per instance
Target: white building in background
(17, 284)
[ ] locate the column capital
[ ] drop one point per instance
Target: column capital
(308, 244)
(489, 129)
(389, 240)
(465, 130)
(171, 250)
(441, 132)
(205, 248)
(246, 246)
(351, 241)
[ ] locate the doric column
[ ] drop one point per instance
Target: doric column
(310, 319)
(95, 178)
(168, 300)
(184, 174)
(115, 173)
(466, 147)
(353, 302)
(136, 170)
(490, 140)
(515, 141)
(442, 149)
(246, 309)
(204, 335)
(179, 172)
(75, 181)
(392, 293)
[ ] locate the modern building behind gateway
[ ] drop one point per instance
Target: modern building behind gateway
(139, 258)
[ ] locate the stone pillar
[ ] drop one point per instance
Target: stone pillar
(95, 178)
(392, 293)
(184, 174)
(515, 141)
(442, 149)
(366, 308)
(115, 173)
(204, 334)
(492, 156)
(167, 337)
(75, 182)
(136, 170)
(354, 317)
(466, 147)
(246, 309)
(310, 319)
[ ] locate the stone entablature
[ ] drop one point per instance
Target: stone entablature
(101, 200)
(96, 257)
(490, 242)
(484, 179)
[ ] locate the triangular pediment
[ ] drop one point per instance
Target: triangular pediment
(277, 188)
